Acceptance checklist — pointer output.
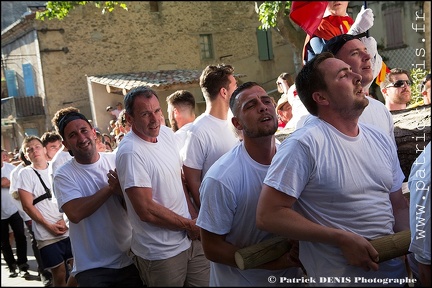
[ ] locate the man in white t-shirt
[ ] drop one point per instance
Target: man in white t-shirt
(44, 274)
(229, 195)
(352, 51)
(336, 183)
(49, 227)
(181, 114)
(211, 134)
(165, 243)
(10, 217)
(100, 230)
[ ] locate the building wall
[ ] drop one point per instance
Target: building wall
(88, 42)
(404, 57)
(139, 40)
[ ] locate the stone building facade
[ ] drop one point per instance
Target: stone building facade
(151, 36)
(89, 60)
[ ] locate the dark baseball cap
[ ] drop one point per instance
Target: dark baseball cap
(336, 43)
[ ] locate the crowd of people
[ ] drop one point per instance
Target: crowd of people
(152, 205)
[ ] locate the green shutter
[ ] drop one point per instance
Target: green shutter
(265, 48)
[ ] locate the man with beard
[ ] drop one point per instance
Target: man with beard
(230, 190)
(181, 113)
(396, 89)
(100, 231)
(336, 183)
(353, 52)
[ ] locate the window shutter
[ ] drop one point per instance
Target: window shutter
(265, 48)
(394, 29)
(28, 80)
(11, 83)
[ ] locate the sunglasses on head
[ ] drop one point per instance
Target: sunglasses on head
(400, 83)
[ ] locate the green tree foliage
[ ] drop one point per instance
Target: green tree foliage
(275, 15)
(417, 76)
(60, 9)
(268, 10)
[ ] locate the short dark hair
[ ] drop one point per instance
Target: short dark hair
(213, 78)
(59, 114)
(389, 76)
(239, 89)
(129, 98)
(49, 137)
(181, 98)
(27, 139)
(311, 79)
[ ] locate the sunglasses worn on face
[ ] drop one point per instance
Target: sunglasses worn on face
(399, 83)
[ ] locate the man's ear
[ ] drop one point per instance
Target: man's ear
(65, 144)
(224, 92)
(236, 123)
(320, 98)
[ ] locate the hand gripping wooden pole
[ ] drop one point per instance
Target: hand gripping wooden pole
(392, 246)
(260, 253)
(388, 247)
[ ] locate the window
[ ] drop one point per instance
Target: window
(28, 79)
(265, 47)
(206, 46)
(11, 82)
(31, 131)
(154, 6)
(393, 21)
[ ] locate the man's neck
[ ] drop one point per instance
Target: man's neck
(218, 109)
(393, 106)
(345, 125)
(40, 165)
(261, 149)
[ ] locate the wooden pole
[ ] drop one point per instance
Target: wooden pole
(388, 247)
(263, 252)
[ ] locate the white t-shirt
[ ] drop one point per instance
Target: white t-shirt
(181, 135)
(208, 139)
(229, 195)
(29, 181)
(340, 182)
(58, 160)
(102, 239)
(8, 207)
(375, 114)
(13, 180)
(158, 166)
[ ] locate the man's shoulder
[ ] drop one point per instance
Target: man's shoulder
(376, 103)
(8, 166)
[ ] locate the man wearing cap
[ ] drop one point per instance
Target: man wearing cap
(115, 112)
(284, 112)
(336, 183)
(88, 191)
(352, 51)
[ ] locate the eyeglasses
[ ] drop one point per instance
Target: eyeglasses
(399, 83)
